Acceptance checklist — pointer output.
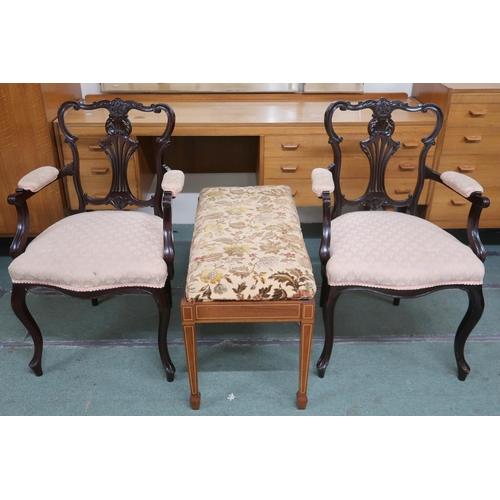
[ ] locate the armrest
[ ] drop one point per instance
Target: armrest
(471, 190)
(322, 181)
(37, 179)
(323, 186)
(30, 184)
(173, 182)
(461, 183)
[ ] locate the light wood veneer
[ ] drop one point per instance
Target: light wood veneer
(27, 142)
(469, 144)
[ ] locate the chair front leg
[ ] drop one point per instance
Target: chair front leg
(162, 301)
(469, 321)
(18, 303)
(331, 295)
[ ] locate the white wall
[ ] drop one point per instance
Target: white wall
(90, 88)
(389, 87)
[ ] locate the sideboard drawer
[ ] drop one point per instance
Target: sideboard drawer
(475, 97)
(297, 146)
(299, 167)
(471, 141)
(318, 146)
(477, 114)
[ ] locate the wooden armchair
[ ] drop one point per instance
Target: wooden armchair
(380, 244)
(96, 253)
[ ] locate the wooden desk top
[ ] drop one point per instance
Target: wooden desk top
(234, 118)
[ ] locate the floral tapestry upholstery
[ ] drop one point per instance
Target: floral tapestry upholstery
(248, 245)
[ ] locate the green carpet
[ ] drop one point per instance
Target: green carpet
(375, 378)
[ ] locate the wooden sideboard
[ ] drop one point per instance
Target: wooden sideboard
(27, 142)
(469, 144)
(280, 138)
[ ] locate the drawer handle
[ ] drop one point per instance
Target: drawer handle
(99, 170)
(289, 168)
(472, 138)
(478, 112)
(95, 148)
(402, 191)
(410, 144)
(466, 168)
(290, 146)
(458, 202)
(100, 195)
(407, 166)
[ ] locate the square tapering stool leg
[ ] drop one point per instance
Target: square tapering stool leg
(248, 312)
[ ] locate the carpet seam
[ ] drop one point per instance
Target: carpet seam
(241, 342)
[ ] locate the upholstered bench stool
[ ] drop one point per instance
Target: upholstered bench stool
(248, 263)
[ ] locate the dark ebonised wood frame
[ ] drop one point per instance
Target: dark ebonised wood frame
(379, 148)
(119, 148)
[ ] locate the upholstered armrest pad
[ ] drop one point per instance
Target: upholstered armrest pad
(38, 179)
(322, 180)
(173, 180)
(461, 183)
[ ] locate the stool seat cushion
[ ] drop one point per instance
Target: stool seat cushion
(95, 251)
(248, 245)
(398, 251)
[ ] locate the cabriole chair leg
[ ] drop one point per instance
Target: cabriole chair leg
(164, 317)
(469, 321)
(18, 302)
(330, 299)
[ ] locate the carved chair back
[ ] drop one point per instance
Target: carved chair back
(379, 149)
(119, 148)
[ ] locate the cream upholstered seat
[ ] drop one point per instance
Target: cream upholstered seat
(97, 253)
(381, 244)
(398, 251)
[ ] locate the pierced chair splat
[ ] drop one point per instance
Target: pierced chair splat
(106, 247)
(380, 244)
